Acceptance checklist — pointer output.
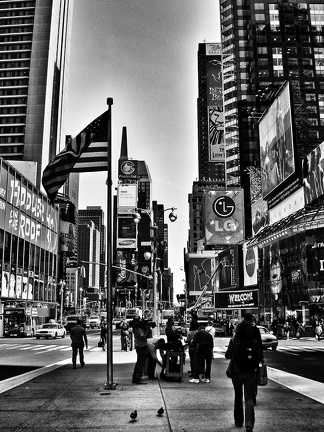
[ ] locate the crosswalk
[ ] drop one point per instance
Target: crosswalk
(93, 346)
(43, 348)
(289, 349)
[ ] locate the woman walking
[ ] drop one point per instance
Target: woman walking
(246, 356)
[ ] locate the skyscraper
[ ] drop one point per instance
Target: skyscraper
(95, 214)
(34, 54)
(264, 44)
(211, 152)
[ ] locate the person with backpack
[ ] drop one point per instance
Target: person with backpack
(244, 351)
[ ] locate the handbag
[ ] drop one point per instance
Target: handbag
(263, 375)
(229, 369)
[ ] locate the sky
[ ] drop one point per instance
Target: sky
(143, 54)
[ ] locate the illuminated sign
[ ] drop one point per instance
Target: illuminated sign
(276, 143)
(223, 213)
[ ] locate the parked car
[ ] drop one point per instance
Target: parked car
(94, 321)
(268, 339)
(51, 330)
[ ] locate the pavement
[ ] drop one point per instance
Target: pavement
(58, 398)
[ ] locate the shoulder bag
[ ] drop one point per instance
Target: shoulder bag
(263, 375)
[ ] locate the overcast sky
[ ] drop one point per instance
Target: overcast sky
(143, 54)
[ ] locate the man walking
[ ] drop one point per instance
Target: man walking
(79, 338)
(204, 344)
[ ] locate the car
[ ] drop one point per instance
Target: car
(94, 321)
(219, 329)
(51, 330)
(268, 339)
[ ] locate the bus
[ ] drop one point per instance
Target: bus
(19, 322)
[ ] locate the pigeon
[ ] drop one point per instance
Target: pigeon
(133, 415)
(160, 412)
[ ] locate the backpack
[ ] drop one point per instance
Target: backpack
(247, 355)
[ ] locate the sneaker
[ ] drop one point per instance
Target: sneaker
(194, 380)
(205, 380)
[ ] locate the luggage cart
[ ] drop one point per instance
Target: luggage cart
(174, 364)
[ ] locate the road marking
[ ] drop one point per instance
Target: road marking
(304, 386)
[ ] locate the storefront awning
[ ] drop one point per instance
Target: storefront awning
(302, 220)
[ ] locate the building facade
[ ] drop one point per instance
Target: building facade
(34, 55)
(29, 238)
(273, 71)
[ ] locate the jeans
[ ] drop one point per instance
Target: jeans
(203, 361)
(75, 350)
(246, 381)
(140, 362)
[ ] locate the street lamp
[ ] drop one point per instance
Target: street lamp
(153, 254)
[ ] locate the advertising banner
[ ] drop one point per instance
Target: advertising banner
(126, 233)
(313, 169)
(223, 217)
(250, 265)
(276, 143)
(229, 270)
(125, 259)
(237, 299)
(126, 197)
(200, 270)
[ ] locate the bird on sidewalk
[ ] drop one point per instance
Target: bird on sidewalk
(133, 415)
(160, 412)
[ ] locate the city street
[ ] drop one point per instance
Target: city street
(302, 357)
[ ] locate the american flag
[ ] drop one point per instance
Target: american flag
(87, 152)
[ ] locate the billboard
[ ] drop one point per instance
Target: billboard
(237, 299)
(126, 197)
(260, 215)
(200, 270)
(126, 233)
(127, 169)
(215, 105)
(276, 142)
(223, 217)
(250, 266)
(229, 272)
(313, 171)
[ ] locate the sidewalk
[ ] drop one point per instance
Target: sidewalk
(59, 398)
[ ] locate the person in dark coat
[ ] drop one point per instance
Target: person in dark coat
(204, 344)
(79, 338)
(242, 376)
(257, 336)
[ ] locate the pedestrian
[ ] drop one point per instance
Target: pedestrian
(318, 330)
(103, 334)
(274, 325)
(124, 335)
(211, 329)
(256, 335)
(245, 354)
(154, 345)
(141, 331)
(79, 338)
(286, 330)
(203, 343)
(192, 350)
(173, 336)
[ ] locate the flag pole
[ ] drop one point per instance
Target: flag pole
(110, 382)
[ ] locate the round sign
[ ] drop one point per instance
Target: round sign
(224, 206)
(127, 167)
(145, 269)
(250, 262)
